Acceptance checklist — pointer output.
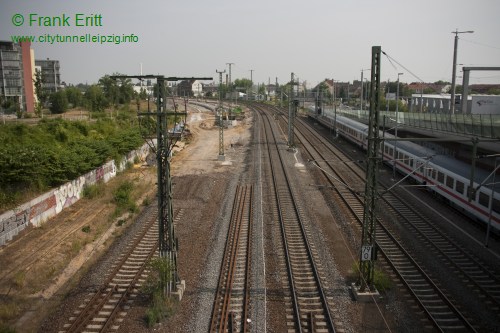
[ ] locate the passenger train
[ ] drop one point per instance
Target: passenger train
(444, 175)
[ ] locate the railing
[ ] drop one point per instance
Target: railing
(481, 125)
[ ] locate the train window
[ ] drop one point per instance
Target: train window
(410, 162)
(484, 199)
(405, 159)
(391, 151)
(419, 167)
(440, 177)
(449, 181)
(459, 187)
(496, 206)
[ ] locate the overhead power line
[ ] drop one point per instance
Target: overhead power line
(406, 69)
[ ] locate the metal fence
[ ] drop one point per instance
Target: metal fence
(480, 125)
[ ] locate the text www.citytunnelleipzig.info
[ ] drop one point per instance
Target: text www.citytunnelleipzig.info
(83, 38)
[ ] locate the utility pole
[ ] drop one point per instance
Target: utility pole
(229, 84)
(292, 110)
(334, 109)
(454, 69)
(362, 92)
(368, 243)
(276, 91)
(396, 132)
(251, 83)
(167, 240)
(219, 114)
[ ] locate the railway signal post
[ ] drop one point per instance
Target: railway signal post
(368, 243)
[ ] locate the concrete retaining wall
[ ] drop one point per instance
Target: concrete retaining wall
(53, 202)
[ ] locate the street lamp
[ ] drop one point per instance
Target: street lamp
(456, 32)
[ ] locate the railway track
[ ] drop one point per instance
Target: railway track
(104, 309)
(479, 277)
(440, 309)
(474, 274)
(232, 299)
(308, 307)
(45, 246)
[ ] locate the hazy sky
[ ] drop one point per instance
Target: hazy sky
(315, 39)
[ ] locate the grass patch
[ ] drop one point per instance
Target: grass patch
(381, 280)
(19, 280)
(146, 202)
(6, 329)
(8, 311)
(49, 273)
(76, 246)
(161, 307)
(93, 191)
(86, 229)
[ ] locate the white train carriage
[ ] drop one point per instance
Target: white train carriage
(446, 176)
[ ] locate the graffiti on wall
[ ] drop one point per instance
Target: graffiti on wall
(52, 203)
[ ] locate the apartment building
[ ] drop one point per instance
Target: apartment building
(17, 69)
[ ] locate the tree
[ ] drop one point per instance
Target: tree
(441, 82)
(59, 102)
(428, 90)
(117, 91)
(39, 92)
(243, 84)
(493, 91)
(126, 91)
(341, 94)
(75, 96)
(95, 99)
(262, 89)
(143, 94)
(323, 89)
(110, 89)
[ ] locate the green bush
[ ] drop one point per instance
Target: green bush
(381, 281)
(56, 151)
(59, 102)
(161, 307)
(151, 317)
(93, 191)
(123, 199)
